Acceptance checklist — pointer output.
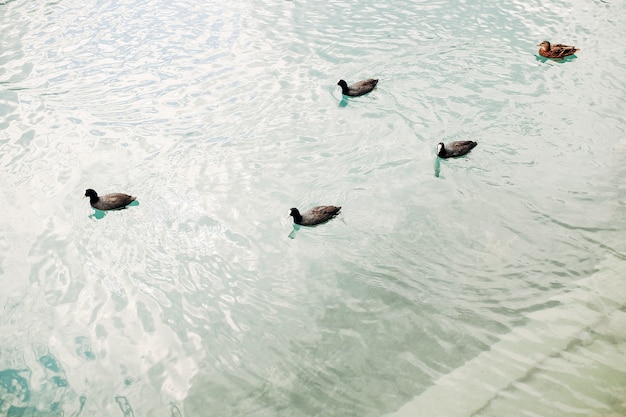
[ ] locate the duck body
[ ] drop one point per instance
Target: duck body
(357, 89)
(455, 149)
(113, 201)
(557, 51)
(314, 216)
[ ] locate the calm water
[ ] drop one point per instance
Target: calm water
(489, 285)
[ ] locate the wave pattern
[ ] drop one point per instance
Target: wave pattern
(220, 117)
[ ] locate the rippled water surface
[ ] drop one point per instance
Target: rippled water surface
(499, 274)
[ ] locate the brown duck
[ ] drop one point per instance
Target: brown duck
(557, 51)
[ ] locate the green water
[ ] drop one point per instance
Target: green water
(203, 300)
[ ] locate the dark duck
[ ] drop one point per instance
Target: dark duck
(357, 89)
(455, 149)
(314, 216)
(113, 201)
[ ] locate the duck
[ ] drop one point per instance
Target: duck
(558, 50)
(314, 216)
(455, 149)
(357, 89)
(113, 201)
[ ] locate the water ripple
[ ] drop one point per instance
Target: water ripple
(220, 117)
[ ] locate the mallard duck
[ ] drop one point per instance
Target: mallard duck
(316, 215)
(357, 89)
(113, 201)
(454, 149)
(558, 50)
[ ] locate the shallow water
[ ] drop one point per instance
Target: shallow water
(203, 299)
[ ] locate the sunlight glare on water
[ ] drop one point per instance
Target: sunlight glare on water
(203, 299)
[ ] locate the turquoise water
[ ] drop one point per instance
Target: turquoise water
(498, 275)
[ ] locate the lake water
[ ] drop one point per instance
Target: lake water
(488, 285)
